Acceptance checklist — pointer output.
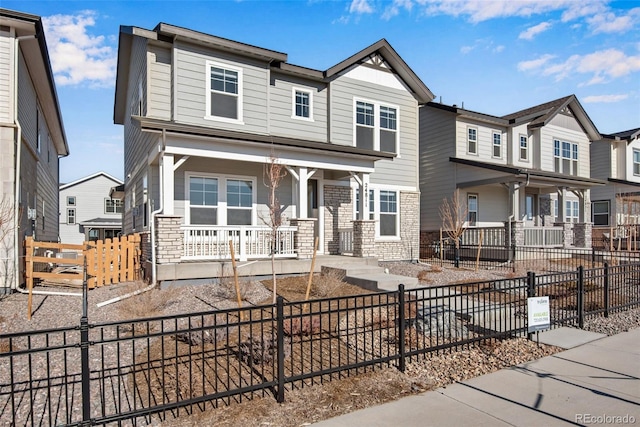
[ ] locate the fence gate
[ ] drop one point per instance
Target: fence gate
(108, 262)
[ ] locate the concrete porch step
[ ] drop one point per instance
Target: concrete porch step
(366, 273)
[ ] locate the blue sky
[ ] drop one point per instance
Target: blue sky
(496, 57)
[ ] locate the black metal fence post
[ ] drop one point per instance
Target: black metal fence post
(606, 290)
(401, 326)
(531, 292)
(593, 257)
(84, 352)
(280, 338)
(580, 302)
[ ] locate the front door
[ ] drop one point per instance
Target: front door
(312, 203)
(530, 210)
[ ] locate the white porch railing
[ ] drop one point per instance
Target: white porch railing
(491, 236)
(345, 239)
(543, 236)
(212, 242)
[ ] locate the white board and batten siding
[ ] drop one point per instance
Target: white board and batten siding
(191, 75)
(384, 88)
(282, 121)
(6, 75)
(437, 177)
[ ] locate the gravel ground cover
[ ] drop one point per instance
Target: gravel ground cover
(328, 399)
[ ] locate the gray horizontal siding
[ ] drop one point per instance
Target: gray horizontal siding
(159, 104)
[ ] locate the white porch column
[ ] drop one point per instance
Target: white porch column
(363, 208)
(303, 196)
(514, 200)
(583, 206)
(562, 196)
(167, 183)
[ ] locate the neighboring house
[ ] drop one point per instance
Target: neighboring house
(203, 116)
(526, 172)
(32, 140)
(87, 212)
(616, 159)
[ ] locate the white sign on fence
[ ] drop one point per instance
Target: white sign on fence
(538, 313)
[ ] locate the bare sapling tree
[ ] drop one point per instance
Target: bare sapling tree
(453, 213)
(273, 174)
(7, 249)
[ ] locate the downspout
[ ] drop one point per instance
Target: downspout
(16, 209)
(152, 217)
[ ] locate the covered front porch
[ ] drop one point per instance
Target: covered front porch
(533, 208)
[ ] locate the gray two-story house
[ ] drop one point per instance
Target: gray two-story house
(204, 116)
(615, 208)
(525, 175)
(32, 140)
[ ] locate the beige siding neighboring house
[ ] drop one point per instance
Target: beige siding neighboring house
(203, 116)
(87, 212)
(32, 140)
(529, 170)
(616, 160)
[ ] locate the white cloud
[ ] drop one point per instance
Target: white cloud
(531, 32)
(466, 49)
(603, 65)
(609, 22)
(535, 63)
(360, 7)
(478, 11)
(394, 9)
(78, 57)
(593, 99)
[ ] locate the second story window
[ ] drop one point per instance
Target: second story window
(302, 104)
(497, 144)
(364, 125)
(71, 216)
(71, 200)
(224, 97)
(636, 162)
(472, 141)
(376, 126)
(524, 147)
(565, 157)
(112, 206)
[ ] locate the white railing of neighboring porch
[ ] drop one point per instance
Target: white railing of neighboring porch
(490, 236)
(543, 236)
(345, 239)
(212, 242)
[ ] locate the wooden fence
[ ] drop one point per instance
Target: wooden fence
(108, 262)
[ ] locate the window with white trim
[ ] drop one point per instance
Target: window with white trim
(203, 200)
(565, 156)
(636, 162)
(600, 212)
(472, 140)
(524, 147)
(302, 104)
(472, 209)
(71, 200)
(224, 92)
(112, 206)
(376, 126)
(497, 144)
(71, 216)
(388, 213)
(572, 210)
(239, 202)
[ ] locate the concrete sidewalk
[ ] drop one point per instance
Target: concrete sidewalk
(595, 382)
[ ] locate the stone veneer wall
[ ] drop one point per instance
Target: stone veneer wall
(304, 238)
(169, 239)
(338, 213)
(582, 234)
(408, 248)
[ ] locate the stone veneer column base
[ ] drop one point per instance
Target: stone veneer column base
(582, 234)
(169, 239)
(364, 235)
(304, 237)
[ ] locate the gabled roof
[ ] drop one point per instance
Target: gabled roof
(541, 115)
(627, 135)
(277, 60)
(88, 178)
(39, 64)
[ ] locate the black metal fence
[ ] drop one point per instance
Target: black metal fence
(522, 259)
(145, 370)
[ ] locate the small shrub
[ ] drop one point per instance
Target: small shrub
(209, 332)
(302, 326)
(423, 275)
(256, 351)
